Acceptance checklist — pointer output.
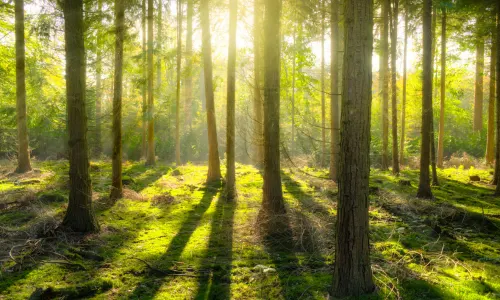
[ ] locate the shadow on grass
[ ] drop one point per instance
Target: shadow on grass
(141, 176)
(151, 283)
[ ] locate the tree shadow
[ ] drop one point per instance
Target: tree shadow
(151, 283)
(219, 255)
(139, 177)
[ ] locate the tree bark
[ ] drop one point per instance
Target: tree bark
(434, 95)
(213, 147)
(144, 144)
(403, 104)
(150, 160)
(116, 183)
(323, 104)
(478, 93)
(178, 86)
(294, 67)
(98, 86)
(23, 156)
(231, 102)
(497, 81)
(334, 97)
(490, 145)
(424, 188)
(80, 214)
(384, 77)
(188, 85)
(258, 138)
(352, 272)
(443, 91)
(394, 106)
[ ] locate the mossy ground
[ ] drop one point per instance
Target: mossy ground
(446, 248)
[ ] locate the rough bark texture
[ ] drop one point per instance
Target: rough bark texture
(23, 156)
(258, 139)
(334, 97)
(231, 102)
(352, 273)
(98, 87)
(116, 182)
(150, 159)
(403, 104)
(188, 83)
(478, 92)
(323, 104)
(394, 104)
(178, 86)
(490, 145)
(440, 156)
(144, 148)
(213, 147)
(272, 193)
(384, 80)
(424, 187)
(79, 215)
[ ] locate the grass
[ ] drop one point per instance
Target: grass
(173, 237)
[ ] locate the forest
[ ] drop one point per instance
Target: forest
(263, 149)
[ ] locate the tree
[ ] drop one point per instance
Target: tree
(150, 159)
(497, 99)
(433, 139)
(384, 80)
(334, 97)
(403, 104)
(272, 203)
(231, 101)
(116, 183)
(440, 156)
(424, 187)
(257, 94)
(394, 110)
(490, 144)
(352, 272)
(80, 214)
(23, 158)
(144, 149)
(188, 85)
(323, 106)
(178, 86)
(98, 85)
(213, 147)
(478, 92)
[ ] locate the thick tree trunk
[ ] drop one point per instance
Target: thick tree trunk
(98, 86)
(490, 145)
(150, 160)
(273, 196)
(213, 147)
(352, 272)
(258, 138)
(23, 156)
(394, 106)
(443, 91)
(334, 97)
(188, 85)
(79, 215)
(384, 79)
(478, 93)
(403, 104)
(116, 183)
(323, 104)
(231, 102)
(144, 144)
(424, 188)
(178, 86)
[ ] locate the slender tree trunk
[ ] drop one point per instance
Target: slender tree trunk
(273, 196)
(257, 90)
(352, 272)
(23, 156)
(116, 186)
(497, 80)
(443, 91)
(178, 86)
(150, 160)
(144, 148)
(188, 85)
(159, 41)
(478, 94)
(98, 84)
(80, 214)
(231, 102)
(213, 147)
(403, 104)
(394, 111)
(490, 145)
(434, 62)
(294, 66)
(384, 77)
(323, 104)
(334, 97)
(424, 188)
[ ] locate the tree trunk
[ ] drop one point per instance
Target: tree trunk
(116, 184)
(434, 62)
(443, 91)
(98, 86)
(334, 97)
(497, 81)
(323, 105)
(273, 196)
(352, 272)
(80, 214)
(403, 104)
(478, 94)
(188, 85)
(257, 94)
(424, 188)
(490, 145)
(394, 106)
(178, 86)
(213, 147)
(23, 156)
(150, 160)
(294, 67)
(384, 77)
(144, 148)
(231, 102)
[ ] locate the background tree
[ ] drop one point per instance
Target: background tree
(403, 104)
(178, 86)
(150, 160)
(188, 85)
(145, 122)
(394, 105)
(98, 84)
(440, 156)
(257, 95)
(384, 80)
(334, 97)
(478, 93)
(490, 144)
(323, 91)
(231, 99)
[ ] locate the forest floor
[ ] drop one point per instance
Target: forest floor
(173, 237)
